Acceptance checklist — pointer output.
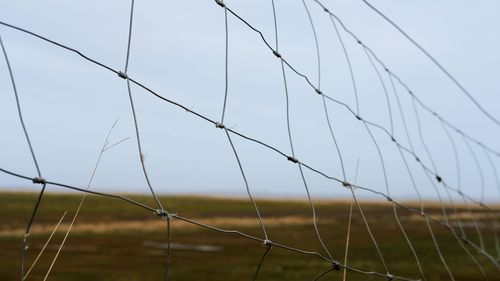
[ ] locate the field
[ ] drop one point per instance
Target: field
(113, 240)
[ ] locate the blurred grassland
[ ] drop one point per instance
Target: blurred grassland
(113, 240)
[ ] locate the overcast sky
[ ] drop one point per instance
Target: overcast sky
(177, 49)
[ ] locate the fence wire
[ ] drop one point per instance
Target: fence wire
(328, 255)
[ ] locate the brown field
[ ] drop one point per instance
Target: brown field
(113, 240)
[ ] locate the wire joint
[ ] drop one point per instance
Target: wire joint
(122, 74)
(219, 125)
(39, 180)
(220, 3)
(336, 265)
(438, 178)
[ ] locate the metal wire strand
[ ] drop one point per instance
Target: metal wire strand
(436, 246)
(318, 56)
(131, 18)
(226, 70)
(382, 83)
(421, 135)
(168, 260)
(324, 273)
(497, 184)
(261, 262)
(344, 273)
(408, 241)
(246, 185)
(481, 178)
(19, 110)
(24, 246)
(368, 229)
(134, 115)
(438, 64)
(403, 119)
(381, 158)
(275, 24)
(334, 139)
(479, 169)
(349, 64)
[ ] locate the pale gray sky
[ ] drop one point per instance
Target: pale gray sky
(178, 50)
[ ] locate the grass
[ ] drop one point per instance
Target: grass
(111, 240)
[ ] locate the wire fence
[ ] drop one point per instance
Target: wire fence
(389, 86)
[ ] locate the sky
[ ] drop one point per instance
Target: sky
(178, 50)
